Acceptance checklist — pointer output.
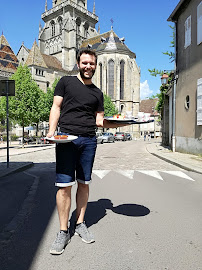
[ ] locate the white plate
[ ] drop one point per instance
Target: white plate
(128, 121)
(69, 139)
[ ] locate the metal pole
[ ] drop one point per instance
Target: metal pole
(7, 122)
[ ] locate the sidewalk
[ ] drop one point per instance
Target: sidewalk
(185, 161)
(16, 149)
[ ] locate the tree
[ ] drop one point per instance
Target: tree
(24, 107)
(155, 72)
(47, 101)
(109, 107)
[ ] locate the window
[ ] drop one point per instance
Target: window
(60, 25)
(187, 103)
(122, 64)
(52, 29)
(78, 23)
(199, 23)
(199, 102)
(86, 26)
(100, 65)
(111, 79)
(187, 32)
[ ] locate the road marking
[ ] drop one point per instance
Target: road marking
(101, 173)
(151, 173)
(179, 174)
(130, 173)
(127, 173)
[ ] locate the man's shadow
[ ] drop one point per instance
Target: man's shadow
(97, 210)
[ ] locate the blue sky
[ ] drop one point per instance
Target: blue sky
(143, 24)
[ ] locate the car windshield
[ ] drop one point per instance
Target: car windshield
(105, 133)
(119, 132)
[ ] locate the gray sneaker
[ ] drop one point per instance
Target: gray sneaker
(84, 233)
(60, 243)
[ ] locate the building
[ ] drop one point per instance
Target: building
(8, 60)
(147, 106)
(185, 99)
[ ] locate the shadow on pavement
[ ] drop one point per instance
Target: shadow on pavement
(21, 250)
(97, 210)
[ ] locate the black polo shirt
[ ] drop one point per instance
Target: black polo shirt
(80, 103)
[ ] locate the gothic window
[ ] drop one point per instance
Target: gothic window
(60, 25)
(78, 23)
(122, 67)
(100, 65)
(111, 79)
(52, 29)
(86, 26)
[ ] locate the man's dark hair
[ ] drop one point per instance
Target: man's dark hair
(86, 51)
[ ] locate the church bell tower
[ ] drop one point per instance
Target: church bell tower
(67, 24)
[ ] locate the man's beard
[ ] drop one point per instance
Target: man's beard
(82, 71)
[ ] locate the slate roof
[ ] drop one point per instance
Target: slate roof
(148, 106)
(108, 41)
(36, 58)
(8, 60)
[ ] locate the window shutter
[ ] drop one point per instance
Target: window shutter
(199, 102)
(187, 32)
(199, 23)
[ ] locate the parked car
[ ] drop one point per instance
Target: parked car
(108, 137)
(120, 136)
(27, 140)
(128, 136)
(99, 137)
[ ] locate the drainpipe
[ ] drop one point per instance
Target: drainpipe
(174, 95)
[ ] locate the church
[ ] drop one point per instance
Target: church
(68, 27)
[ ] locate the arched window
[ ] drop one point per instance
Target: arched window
(100, 66)
(52, 29)
(111, 78)
(78, 23)
(86, 26)
(122, 65)
(60, 25)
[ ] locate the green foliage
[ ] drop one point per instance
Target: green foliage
(24, 106)
(109, 106)
(47, 101)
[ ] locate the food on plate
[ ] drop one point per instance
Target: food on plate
(118, 116)
(60, 137)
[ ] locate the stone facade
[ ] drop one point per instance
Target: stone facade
(188, 119)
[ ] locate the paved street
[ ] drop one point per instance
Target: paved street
(145, 214)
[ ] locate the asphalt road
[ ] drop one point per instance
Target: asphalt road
(145, 214)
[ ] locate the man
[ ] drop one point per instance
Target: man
(78, 106)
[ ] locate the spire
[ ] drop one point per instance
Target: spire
(3, 40)
(46, 7)
(98, 29)
(111, 44)
(94, 8)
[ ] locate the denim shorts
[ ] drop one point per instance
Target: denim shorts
(74, 161)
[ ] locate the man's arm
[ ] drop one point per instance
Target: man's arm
(54, 115)
(101, 122)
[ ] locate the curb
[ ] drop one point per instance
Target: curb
(177, 164)
(19, 169)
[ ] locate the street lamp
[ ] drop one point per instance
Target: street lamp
(164, 79)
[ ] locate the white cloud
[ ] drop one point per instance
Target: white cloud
(145, 91)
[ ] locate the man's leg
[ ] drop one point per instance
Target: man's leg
(81, 201)
(63, 200)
